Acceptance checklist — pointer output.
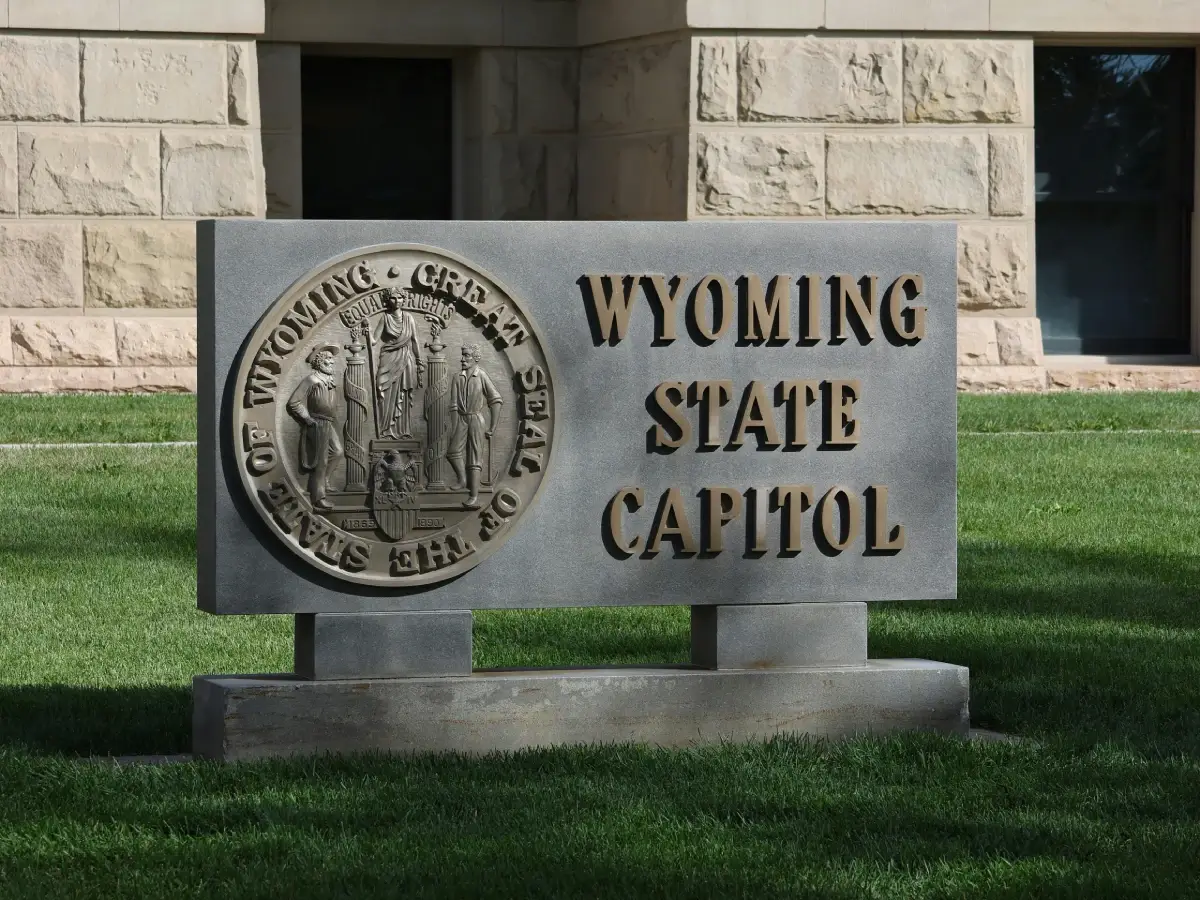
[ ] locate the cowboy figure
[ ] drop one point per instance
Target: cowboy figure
(476, 404)
(313, 404)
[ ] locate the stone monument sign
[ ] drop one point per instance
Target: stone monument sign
(402, 422)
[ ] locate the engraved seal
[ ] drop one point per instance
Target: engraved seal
(394, 416)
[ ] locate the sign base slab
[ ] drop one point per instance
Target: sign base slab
(265, 716)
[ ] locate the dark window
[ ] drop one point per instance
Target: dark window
(1115, 157)
(377, 141)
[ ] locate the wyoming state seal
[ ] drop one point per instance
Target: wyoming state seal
(394, 416)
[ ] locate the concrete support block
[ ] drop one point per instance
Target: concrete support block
(779, 636)
(383, 645)
(240, 718)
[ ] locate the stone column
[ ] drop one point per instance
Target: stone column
(355, 387)
(437, 413)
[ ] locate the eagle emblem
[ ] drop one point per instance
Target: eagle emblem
(394, 483)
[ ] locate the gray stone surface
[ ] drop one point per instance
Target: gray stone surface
(383, 645)
(558, 556)
(256, 717)
(780, 636)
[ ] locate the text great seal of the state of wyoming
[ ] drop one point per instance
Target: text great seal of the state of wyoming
(394, 416)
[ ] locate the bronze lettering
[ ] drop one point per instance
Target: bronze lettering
(355, 557)
(756, 515)
(812, 316)
(882, 538)
(611, 304)
(711, 329)
(908, 322)
(791, 500)
(839, 538)
(722, 506)
(671, 523)
(712, 395)
(796, 395)
(672, 410)
(667, 300)
(362, 277)
(403, 562)
(768, 318)
(261, 449)
(841, 428)
(849, 300)
(507, 324)
(631, 499)
(755, 414)
(425, 275)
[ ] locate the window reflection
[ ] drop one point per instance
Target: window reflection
(1114, 186)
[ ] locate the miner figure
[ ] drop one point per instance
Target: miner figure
(476, 404)
(314, 405)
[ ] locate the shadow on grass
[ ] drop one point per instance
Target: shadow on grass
(96, 721)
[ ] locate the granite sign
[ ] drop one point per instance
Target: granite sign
(432, 417)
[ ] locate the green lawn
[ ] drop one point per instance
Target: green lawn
(1079, 579)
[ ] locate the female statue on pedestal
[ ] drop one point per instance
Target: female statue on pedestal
(399, 371)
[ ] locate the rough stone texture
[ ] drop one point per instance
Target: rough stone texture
(8, 171)
(967, 81)
(40, 81)
(638, 177)
(156, 341)
(819, 79)
(64, 341)
(154, 81)
(994, 267)
(634, 87)
(283, 167)
(143, 264)
(242, 83)
(254, 718)
(977, 342)
(760, 174)
(89, 172)
(95, 380)
(383, 645)
(529, 178)
(213, 174)
(5, 342)
(885, 174)
(41, 265)
(779, 636)
(1124, 378)
(1019, 341)
(547, 91)
(716, 80)
(1001, 379)
(1008, 175)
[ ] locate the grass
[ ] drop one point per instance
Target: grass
(1079, 573)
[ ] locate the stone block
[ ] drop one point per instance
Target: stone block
(246, 718)
(634, 88)
(332, 646)
(1109, 377)
(154, 379)
(751, 173)
(1009, 163)
(95, 380)
(539, 23)
(279, 87)
(928, 174)
(154, 81)
(779, 636)
(498, 91)
(65, 15)
(778, 15)
(140, 264)
(636, 177)
(1019, 341)
(547, 91)
(41, 265)
(283, 168)
(89, 172)
(39, 78)
(908, 15)
(1001, 379)
(64, 341)
(528, 178)
(977, 344)
(716, 79)
(204, 16)
(8, 171)
(213, 174)
(156, 341)
(968, 81)
(242, 83)
(994, 263)
(1155, 17)
(819, 79)
(5, 342)
(605, 21)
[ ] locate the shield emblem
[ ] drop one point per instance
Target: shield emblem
(394, 493)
